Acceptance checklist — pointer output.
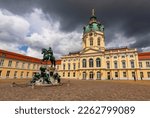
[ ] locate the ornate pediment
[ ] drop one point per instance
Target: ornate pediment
(89, 50)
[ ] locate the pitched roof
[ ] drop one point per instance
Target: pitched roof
(21, 57)
(144, 56)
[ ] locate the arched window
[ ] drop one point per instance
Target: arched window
(98, 62)
(90, 62)
(91, 41)
(98, 75)
(84, 63)
(91, 75)
(98, 41)
(84, 75)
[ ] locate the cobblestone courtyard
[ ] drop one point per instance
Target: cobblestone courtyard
(77, 90)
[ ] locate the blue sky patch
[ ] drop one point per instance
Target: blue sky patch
(23, 48)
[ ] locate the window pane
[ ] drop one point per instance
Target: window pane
(84, 63)
(98, 63)
(91, 63)
(1, 62)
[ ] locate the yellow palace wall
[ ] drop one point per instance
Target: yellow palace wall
(145, 69)
(109, 56)
(22, 69)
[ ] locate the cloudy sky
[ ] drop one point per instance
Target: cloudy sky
(26, 26)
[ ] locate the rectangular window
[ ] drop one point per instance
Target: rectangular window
(98, 41)
(15, 74)
(147, 64)
(133, 74)
(17, 64)
(124, 74)
(108, 75)
(132, 64)
(140, 64)
(27, 74)
(141, 74)
(33, 66)
(1, 62)
(148, 74)
(9, 63)
(28, 65)
(8, 73)
(116, 74)
(91, 42)
(21, 74)
(108, 65)
(23, 65)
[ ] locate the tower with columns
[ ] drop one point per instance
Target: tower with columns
(93, 35)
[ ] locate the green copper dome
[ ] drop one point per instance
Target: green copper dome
(93, 27)
(93, 24)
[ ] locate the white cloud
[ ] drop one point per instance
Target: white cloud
(13, 29)
(12, 26)
(146, 49)
(120, 41)
(36, 30)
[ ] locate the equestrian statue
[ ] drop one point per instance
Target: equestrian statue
(48, 56)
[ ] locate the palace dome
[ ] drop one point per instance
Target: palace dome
(93, 24)
(93, 27)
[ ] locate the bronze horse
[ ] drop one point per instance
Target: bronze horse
(48, 56)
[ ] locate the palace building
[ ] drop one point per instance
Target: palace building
(93, 62)
(96, 62)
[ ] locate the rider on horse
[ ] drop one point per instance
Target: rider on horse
(48, 55)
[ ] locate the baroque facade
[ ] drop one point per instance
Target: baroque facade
(95, 61)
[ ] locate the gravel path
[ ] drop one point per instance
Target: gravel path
(77, 90)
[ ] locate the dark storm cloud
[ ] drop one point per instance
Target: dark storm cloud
(132, 17)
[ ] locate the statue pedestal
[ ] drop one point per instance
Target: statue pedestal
(48, 76)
